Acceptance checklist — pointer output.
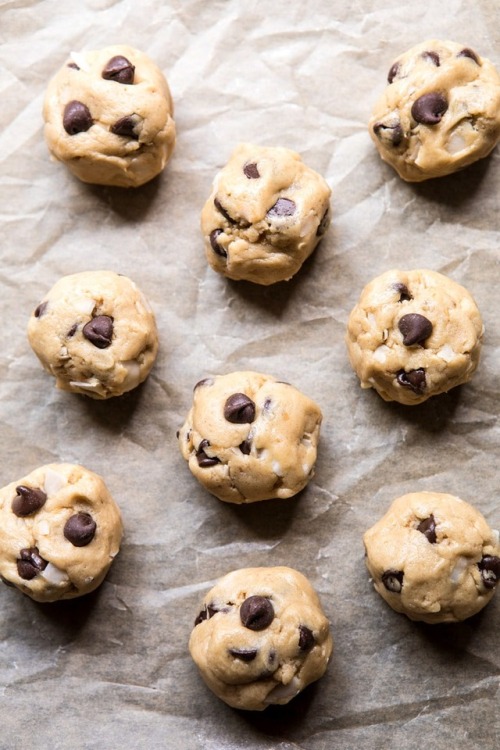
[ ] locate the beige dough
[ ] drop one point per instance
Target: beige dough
(266, 214)
(433, 557)
(414, 334)
(261, 637)
(120, 131)
(249, 437)
(96, 333)
(440, 111)
(60, 530)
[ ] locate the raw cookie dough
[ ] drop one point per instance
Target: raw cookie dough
(60, 530)
(261, 637)
(96, 333)
(250, 437)
(414, 334)
(433, 557)
(108, 117)
(266, 214)
(440, 111)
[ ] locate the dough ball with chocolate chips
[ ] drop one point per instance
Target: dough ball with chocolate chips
(439, 112)
(433, 557)
(266, 214)
(414, 334)
(249, 437)
(60, 530)
(96, 333)
(108, 117)
(261, 637)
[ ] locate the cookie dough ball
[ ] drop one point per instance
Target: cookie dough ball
(261, 637)
(60, 530)
(440, 111)
(249, 437)
(266, 214)
(108, 117)
(433, 557)
(414, 334)
(96, 333)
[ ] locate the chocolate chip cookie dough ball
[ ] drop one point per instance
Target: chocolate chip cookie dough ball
(266, 214)
(108, 117)
(261, 637)
(433, 557)
(96, 333)
(249, 437)
(60, 530)
(440, 111)
(414, 334)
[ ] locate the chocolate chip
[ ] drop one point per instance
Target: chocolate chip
(415, 328)
(393, 580)
(306, 638)
(468, 52)
(414, 379)
(239, 409)
(205, 614)
(323, 224)
(282, 207)
(245, 447)
(428, 528)
(429, 108)
(393, 72)
(72, 331)
(41, 309)
(204, 382)
(99, 331)
(119, 69)
(76, 118)
(80, 529)
(7, 583)
(256, 613)
(244, 654)
(126, 126)
(432, 57)
(220, 208)
(30, 563)
(203, 460)
(404, 293)
(73, 65)
(251, 171)
(218, 249)
(490, 570)
(28, 500)
(390, 134)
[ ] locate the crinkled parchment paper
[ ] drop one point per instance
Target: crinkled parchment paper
(112, 670)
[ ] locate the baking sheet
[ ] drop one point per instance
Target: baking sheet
(112, 669)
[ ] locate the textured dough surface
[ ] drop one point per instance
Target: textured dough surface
(439, 580)
(266, 214)
(412, 373)
(420, 140)
(56, 334)
(70, 570)
(271, 456)
(98, 155)
(252, 669)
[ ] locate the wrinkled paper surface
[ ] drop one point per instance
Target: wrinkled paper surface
(112, 670)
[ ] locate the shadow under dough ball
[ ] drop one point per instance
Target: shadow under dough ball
(109, 117)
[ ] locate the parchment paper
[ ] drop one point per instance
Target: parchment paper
(112, 670)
